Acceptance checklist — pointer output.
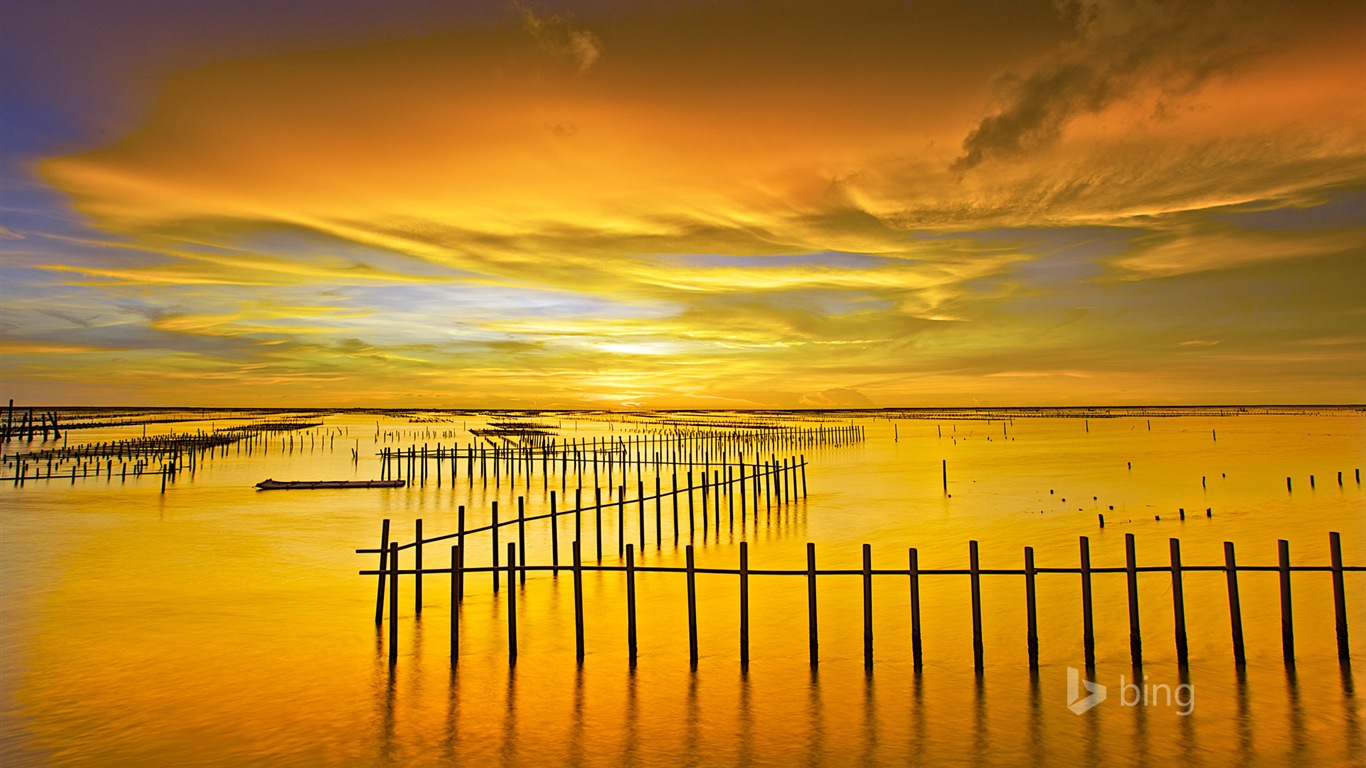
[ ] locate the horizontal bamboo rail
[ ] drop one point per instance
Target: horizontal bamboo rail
(390, 570)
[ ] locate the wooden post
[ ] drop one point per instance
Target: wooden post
(383, 566)
(393, 603)
(744, 603)
(597, 508)
(692, 607)
(554, 536)
(1131, 569)
(1339, 596)
(456, 575)
(631, 603)
(417, 566)
(867, 607)
(1235, 610)
(640, 512)
(493, 529)
(659, 514)
(1179, 604)
(811, 601)
(621, 520)
(521, 539)
(916, 660)
(512, 602)
(944, 469)
(1088, 630)
(1287, 623)
(1031, 610)
(460, 541)
(803, 475)
(975, 575)
(578, 601)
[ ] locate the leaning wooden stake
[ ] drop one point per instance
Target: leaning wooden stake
(1339, 596)
(1235, 610)
(1287, 623)
(383, 565)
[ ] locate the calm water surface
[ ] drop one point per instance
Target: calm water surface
(218, 625)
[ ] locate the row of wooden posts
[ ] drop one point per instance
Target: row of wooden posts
(776, 481)
(390, 571)
(601, 454)
(173, 453)
(29, 427)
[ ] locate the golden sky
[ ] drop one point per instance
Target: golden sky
(684, 204)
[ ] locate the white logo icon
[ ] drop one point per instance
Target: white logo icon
(1075, 701)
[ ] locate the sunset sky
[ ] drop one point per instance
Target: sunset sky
(682, 204)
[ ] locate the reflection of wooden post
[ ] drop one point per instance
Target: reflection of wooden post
(1031, 609)
(1235, 610)
(1179, 604)
(744, 602)
(1088, 630)
(578, 601)
(1287, 623)
(811, 601)
(974, 572)
(631, 602)
(1339, 596)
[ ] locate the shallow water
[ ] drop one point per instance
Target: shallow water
(215, 624)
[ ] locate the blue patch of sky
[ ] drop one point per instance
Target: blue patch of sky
(1345, 209)
(1053, 255)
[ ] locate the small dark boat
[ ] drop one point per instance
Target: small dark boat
(307, 485)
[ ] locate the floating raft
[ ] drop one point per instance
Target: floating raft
(307, 485)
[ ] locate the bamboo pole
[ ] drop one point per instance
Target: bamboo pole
(1131, 569)
(1339, 597)
(1235, 610)
(393, 603)
(692, 606)
(811, 602)
(744, 603)
(1287, 622)
(512, 602)
(1179, 604)
(383, 564)
(1031, 610)
(867, 607)
(975, 575)
(1088, 630)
